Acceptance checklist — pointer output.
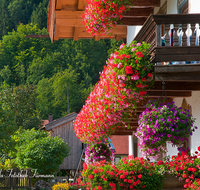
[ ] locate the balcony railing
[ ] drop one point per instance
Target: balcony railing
(173, 37)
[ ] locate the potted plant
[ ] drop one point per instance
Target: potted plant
(161, 123)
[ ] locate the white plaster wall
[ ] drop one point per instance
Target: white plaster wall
(132, 32)
(172, 7)
(194, 6)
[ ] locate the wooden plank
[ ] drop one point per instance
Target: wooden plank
(81, 4)
(118, 37)
(136, 12)
(170, 93)
(176, 86)
(37, 36)
(177, 18)
(56, 35)
(132, 21)
(148, 3)
(65, 14)
(97, 38)
(51, 20)
(70, 22)
(177, 68)
(76, 33)
(58, 4)
(192, 77)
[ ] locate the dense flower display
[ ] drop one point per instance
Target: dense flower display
(122, 85)
(131, 173)
(99, 152)
(161, 123)
(138, 173)
(101, 16)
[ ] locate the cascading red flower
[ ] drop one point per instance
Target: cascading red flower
(115, 96)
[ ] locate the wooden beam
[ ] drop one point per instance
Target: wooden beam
(138, 12)
(56, 35)
(70, 22)
(185, 77)
(146, 3)
(170, 94)
(58, 4)
(81, 5)
(118, 37)
(180, 53)
(37, 36)
(97, 38)
(132, 21)
(64, 14)
(76, 33)
(176, 86)
(177, 68)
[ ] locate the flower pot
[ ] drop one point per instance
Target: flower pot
(172, 183)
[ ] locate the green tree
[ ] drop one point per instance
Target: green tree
(37, 150)
(39, 15)
(7, 128)
(21, 100)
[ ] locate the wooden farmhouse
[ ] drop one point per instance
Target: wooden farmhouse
(63, 127)
(172, 29)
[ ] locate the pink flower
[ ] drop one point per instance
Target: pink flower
(133, 49)
(134, 77)
(138, 44)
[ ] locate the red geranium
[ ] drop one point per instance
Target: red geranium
(129, 70)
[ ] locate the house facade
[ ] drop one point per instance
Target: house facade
(176, 56)
(167, 7)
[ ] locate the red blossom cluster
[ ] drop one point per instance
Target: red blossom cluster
(101, 16)
(122, 85)
(131, 173)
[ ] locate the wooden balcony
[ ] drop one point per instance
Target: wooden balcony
(172, 54)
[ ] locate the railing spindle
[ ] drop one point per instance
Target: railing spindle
(197, 33)
(184, 37)
(193, 37)
(176, 37)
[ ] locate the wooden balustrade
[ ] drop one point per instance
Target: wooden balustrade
(173, 37)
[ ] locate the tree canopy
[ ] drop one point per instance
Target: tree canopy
(38, 150)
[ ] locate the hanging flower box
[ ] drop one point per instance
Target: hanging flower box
(101, 16)
(99, 152)
(161, 123)
(123, 83)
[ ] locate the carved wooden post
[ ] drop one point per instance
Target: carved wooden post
(158, 35)
(167, 26)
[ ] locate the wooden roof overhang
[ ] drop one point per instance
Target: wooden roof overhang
(65, 19)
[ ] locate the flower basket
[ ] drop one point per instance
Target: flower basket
(99, 152)
(161, 123)
(101, 16)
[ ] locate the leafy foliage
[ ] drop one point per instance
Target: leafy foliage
(21, 102)
(38, 150)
